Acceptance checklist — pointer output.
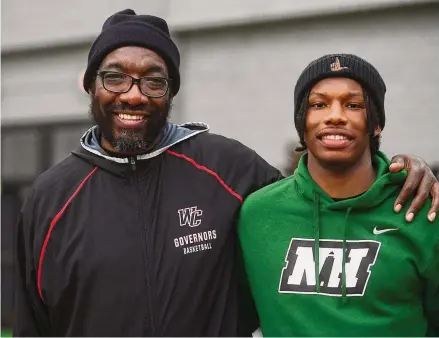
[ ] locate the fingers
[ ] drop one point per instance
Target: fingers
(398, 163)
(411, 184)
(435, 202)
(422, 194)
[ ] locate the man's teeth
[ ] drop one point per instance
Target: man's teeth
(130, 117)
(334, 137)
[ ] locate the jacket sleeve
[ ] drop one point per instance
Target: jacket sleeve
(264, 173)
(432, 294)
(30, 314)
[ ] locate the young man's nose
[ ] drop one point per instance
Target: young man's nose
(336, 115)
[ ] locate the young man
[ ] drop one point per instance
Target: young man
(134, 233)
(324, 254)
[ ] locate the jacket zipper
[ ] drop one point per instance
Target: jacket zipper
(150, 321)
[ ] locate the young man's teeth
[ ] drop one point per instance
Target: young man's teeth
(335, 137)
(130, 117)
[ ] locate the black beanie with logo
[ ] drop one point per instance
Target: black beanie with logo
(126, 28)
(338, 65)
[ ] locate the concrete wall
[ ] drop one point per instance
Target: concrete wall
(43, 86)
(196, 14)
(30, 24)
(35, 24)
(241, 80)
(240, 60)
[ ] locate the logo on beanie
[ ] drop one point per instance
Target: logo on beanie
(336, 66)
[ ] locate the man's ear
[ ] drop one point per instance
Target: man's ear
(377, 131)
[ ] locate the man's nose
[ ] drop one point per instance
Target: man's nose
(134, 96)
(337, 115)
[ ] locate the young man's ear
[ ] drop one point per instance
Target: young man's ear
(377, 131)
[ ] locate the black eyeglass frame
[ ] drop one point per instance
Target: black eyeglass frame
(134, 81)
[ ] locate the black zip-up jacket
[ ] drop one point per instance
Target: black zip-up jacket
(145, 248)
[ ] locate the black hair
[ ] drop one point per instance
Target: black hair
(373, 121)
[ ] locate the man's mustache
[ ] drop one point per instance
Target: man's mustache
(140, 108)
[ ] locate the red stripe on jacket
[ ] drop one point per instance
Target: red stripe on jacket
(52, 225)
(203, 168)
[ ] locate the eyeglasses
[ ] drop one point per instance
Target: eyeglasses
(150, 86)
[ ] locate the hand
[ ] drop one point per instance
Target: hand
(420, 178)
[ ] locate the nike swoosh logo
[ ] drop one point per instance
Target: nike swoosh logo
(382, 231)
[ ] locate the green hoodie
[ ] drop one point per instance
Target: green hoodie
(318, 267)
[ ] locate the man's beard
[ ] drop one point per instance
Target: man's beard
(129, 141)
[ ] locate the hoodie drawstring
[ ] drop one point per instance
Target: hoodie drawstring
(317, 248)
(343, 264)
(317, 240)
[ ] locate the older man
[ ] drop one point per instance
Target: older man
(134, 233)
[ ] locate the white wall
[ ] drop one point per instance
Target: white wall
(196, 14)
(34, 24)
(241, 81)
(43, 86)
(238, 78)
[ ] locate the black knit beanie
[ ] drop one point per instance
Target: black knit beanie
(126, 28)
(338, 65)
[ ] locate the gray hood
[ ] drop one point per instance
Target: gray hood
(171, 135)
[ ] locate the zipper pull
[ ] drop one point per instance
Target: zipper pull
(133, 163)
